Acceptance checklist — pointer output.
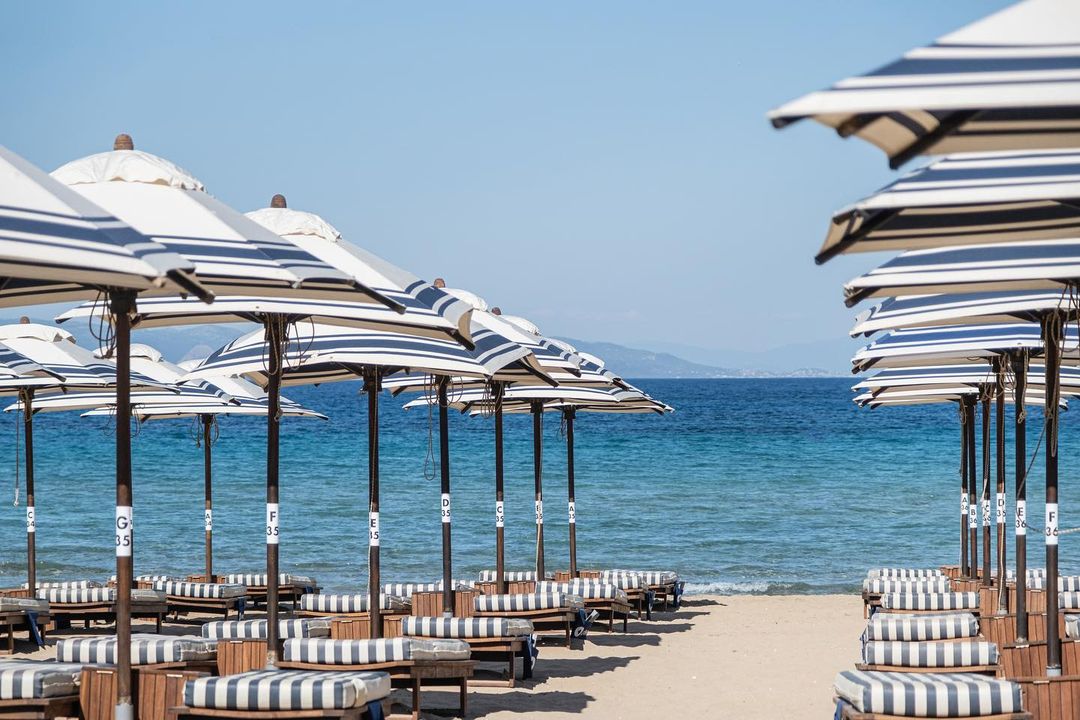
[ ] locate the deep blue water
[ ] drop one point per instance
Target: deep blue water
(751, 486)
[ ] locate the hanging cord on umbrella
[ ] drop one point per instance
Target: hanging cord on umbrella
(196, 431)
(18, 462)
(562, 425)
(429, 457)
(102, 325)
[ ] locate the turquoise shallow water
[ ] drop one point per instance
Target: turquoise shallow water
(762, 486)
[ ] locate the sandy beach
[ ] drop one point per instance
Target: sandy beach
(718, 656)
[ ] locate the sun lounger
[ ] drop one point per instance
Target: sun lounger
(604, 597)
(955, 656)
(184, 597)
(509, 576)
(290, 587)
(935, 603)
(35, 689)
(489, 638)
(271, 694)
(242, 643)
(665, 585)
(912, 628)
(874, 588)
(550, 613)
(865, 695)
(904, 573)
(350, 615)
(410, 662)
(22, 613)
(67, 604)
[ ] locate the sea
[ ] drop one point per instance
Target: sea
(763, 486)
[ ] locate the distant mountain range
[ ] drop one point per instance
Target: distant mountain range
(187, 342)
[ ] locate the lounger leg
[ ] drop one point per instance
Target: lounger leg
(416, 699)
(568, 634)
(611, 620)
(464, 704)
(11, 639)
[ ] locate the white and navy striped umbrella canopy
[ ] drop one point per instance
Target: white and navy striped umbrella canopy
(965, 199)
(326, 353)
(1010, 81)
(961, 308)
(516, 399)
(997, 267)
(959, 344)
(953, 376)
(926, 396)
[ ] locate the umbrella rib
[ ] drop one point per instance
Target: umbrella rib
(945, 127)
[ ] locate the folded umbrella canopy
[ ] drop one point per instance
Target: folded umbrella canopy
(962, 309)
(1008, 81)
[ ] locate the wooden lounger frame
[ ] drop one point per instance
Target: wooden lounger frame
(17, 620)
(182, 604)
(357, 626)
(155, 688)
(497, 650)
(546, 622)
(88, 612)
(409, 674)
(848, 712)
(899, 611)
(966, 669)
(61, 706)
(175, 713)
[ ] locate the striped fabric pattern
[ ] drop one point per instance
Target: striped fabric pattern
(178, 588)
(77, 595)
(17, 604)
(508, 575)
(145, 649)
(151, 578)
(902, 627)
(624, 579)
(1072, 626)
(23, 679)
(931, 601)
(474, 627)
(64, 584)
(287, 690)
(139, 595)
(649, 577)
(327, 603)
(962, 653)
(933, 695)
(1069, 600)
(406, 590)
(260, 579)
(904, 573)
(256, 629)
(522, 603)
(1010, 574)
(587, 589)
(323, 651)
(885, 586)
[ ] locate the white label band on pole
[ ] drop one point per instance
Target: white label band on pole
(272, 518)
(1021, 517)
(446, 507)
(1051, 524)
(1001, 508)
(500, 514)
(373, 528)
(572, 512)
(963, 504)
(31, 522)
(123, 531)
(208, 520)
(539, 512)
(986, 512)
(973, 516)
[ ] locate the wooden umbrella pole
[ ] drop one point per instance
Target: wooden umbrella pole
(965, 569)
(973, 503)
(987, 548)
(500, 509)
(571, 505)
(1020, 462)
(1052, 343)
(208, 493)
(275, 339)
(538, 481)
(444, 481)
(31, 519)
(122, 304)
(999, 468)
(373, 380)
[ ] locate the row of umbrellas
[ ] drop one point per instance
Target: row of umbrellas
(140, 243)
(989, 257)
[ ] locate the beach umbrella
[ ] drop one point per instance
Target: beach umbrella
(961, 309)
(1008, 81)
(327, 353)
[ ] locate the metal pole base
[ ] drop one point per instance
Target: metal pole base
(1053, 671)
(125, 711)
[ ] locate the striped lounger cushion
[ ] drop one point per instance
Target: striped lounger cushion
(623, 579)
(77, 595)
(886, 586)
(1072, 626)
(204, 591)
(152, 578)
(649, 577)
(964, 653)
(318, 602)
(17, 604)
(904, 573)
(260, 579)
(64, 584)
(25, 679)
(406, 590)
(887, 626)
(1069, 600)
(508, 575)
(287, 690)
(322, 651)
(524, 603)
(145, 649)
(587, 589)
(931, 695)
(1010, 574)
(256, 629)
(147, 596)
(931, 601)
(476, 627)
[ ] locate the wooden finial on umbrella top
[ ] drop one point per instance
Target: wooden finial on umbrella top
(123, 141)
(439, 283)
(496, 310)
(278, 201)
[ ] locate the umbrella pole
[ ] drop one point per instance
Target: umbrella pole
(208, 495)
(1002, 539)
(500, 514)
(444, 479)
(374, 572)
(571, 507)
(275, 338)
(1019, 390)
(965, 570)
(987, 550)
(1052, 344)
(538, 480)
(31, 520)
(973, 505)
(122, 304)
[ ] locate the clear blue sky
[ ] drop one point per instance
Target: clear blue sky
(603, 168)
